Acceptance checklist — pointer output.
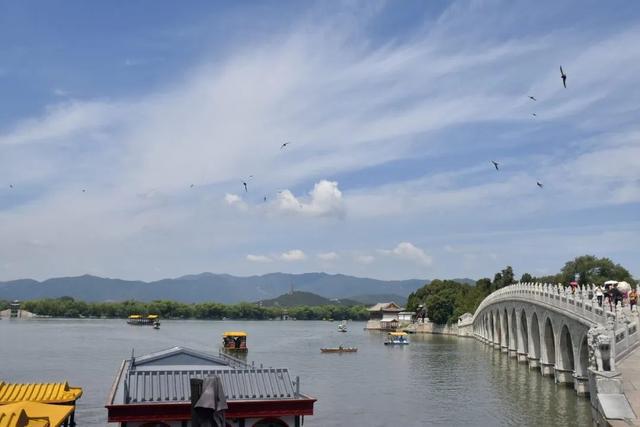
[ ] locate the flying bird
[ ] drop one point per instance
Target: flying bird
(245, 183)
(533, 98)
(265, 198)
(10, 185)
(284, 145)
(539, 184)
(563, 76)
(192, 185)
(84, 191)
(495, 164)
(534, 114)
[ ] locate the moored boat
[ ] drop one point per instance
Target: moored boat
(339, 349)
(397, 338)
(342, 327)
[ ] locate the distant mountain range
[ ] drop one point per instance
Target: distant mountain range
(222, 288)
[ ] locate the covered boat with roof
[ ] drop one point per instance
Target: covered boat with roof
(155, 389)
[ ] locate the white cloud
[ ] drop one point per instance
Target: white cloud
(364, 259)
(258, 258)
(324, 200)
(293, 255)
(235, 200)
(328, 256)
(408, 251)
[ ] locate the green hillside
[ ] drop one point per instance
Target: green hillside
(301, 298)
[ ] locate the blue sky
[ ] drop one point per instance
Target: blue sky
(159, 111)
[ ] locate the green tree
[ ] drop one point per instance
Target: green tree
(497, 282)
(594, 270)
(507, 276)
(526, 278)
(440, 307)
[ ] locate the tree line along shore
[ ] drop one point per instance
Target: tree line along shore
(68, 307)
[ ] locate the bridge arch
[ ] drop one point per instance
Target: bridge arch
(523, 337)
(505, 330)
(582, 368)
(513, 333)
(548, 348)
(534, 339)
(566, 361)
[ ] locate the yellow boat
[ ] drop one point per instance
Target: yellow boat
(150, 320)
(235, 341)
(397, 338)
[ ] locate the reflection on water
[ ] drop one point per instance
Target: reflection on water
(434, 381)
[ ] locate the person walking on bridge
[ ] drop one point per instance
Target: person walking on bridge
(599, 295)
(633, 298)
(617, 296)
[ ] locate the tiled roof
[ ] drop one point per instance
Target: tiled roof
(238, 384)
(39, 392)
(33, 414)
(169, 353)
(387, 306)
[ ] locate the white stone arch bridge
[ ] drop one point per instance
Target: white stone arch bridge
(565, 335)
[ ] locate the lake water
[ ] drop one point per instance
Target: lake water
(436, 380)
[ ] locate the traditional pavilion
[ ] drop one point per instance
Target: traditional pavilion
(384, 316)
(154, 391)
(38, 405)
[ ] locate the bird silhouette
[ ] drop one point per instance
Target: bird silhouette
(245, 183)
(563, 76)
(84, 191)
(10, 185)
(265, 198)
(534, 114)
(192, 185)
(284, 145)
(495, 164)
(532, 98)
(539, 184)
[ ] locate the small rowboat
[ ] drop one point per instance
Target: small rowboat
(339, 349)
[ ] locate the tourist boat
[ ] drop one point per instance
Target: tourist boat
(397, 338)
(342, 327)
(340, 349)
(156, 325)
(139, 320)
(235, 342)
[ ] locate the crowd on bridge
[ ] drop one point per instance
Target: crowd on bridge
(612, 292)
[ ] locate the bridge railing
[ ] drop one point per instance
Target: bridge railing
(618, 322)
(581, 303)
